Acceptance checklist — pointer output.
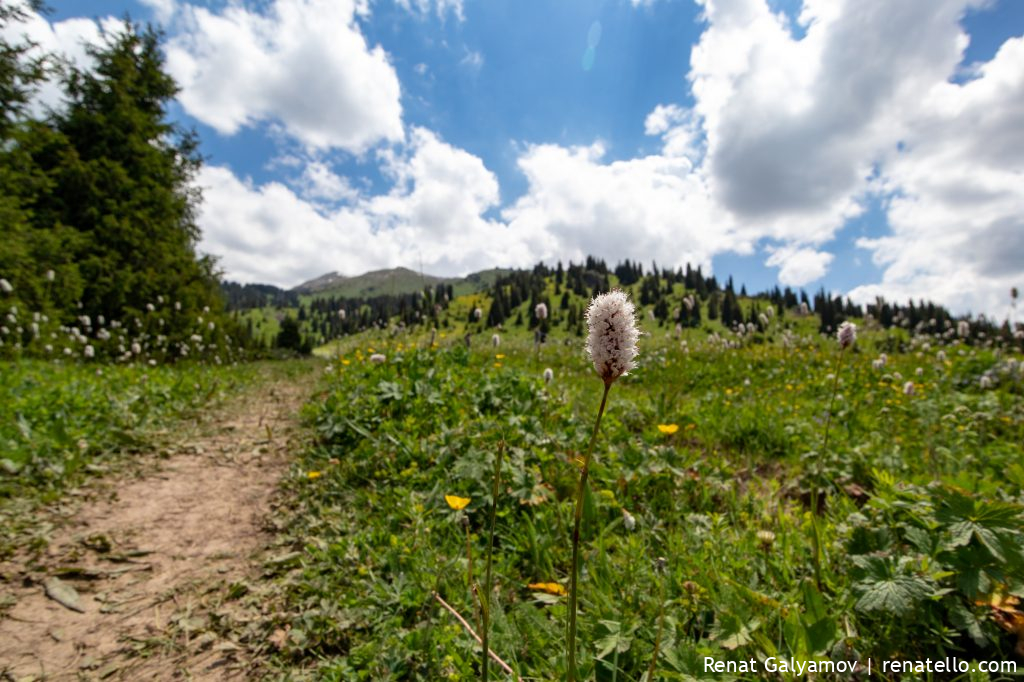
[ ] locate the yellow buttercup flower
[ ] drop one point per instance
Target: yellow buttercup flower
(668, 429)
(455, 502)
(500, 356)
(550, 588)
(314, 474)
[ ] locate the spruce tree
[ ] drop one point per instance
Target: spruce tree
(123, 182)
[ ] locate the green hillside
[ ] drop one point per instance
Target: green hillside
(392, 282)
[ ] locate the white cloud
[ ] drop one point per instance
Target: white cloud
(800, 133)
(163, 10)
(641, 208)
(473, 59)
(319, 182)
(435, 212)
(304, 64)
(269, 234)
(799, 266)
(441, 7)
(663, 117)
(957, 214)
(678, 128)
(66, 39)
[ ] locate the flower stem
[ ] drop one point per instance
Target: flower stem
(469, 568)
(485, 596)
(816, 533)
(576, 538)
(832, 400)
(657, 637)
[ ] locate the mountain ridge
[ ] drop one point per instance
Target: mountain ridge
(392, 281)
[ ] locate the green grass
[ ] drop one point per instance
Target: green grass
(60, 418)
(920, 520)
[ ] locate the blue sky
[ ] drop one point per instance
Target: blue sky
(867, 147)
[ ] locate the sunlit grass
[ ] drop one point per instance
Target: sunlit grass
(706, 451)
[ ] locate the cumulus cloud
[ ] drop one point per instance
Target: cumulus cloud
(434, 212)
(319, 182)
(303, 64)
(800, 133)
(957, 206)
(799, 266)
(789, 138)
(678, 128)
(576, 204)
(267, 233)
(68, 40)
(162, 10)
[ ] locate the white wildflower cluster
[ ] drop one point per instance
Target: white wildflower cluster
(612, 335)
(847, 334)
(92, 337)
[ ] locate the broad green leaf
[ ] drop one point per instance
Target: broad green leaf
(897, 595)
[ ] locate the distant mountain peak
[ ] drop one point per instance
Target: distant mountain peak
(392, 281)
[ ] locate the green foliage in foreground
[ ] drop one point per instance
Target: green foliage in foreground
(57, 418)
(920, 521)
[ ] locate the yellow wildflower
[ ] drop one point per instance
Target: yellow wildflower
(314, 474)
(668, 429)
(550, 588)
(455, 502)
(500, 356)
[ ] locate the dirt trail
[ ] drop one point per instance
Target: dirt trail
(156, 559)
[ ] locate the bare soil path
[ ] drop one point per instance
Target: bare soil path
(156, 559)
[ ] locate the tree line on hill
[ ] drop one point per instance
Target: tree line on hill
(246, 296)
(683, 296)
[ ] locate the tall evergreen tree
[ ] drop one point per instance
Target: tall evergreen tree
(123, 181)
(25, 253)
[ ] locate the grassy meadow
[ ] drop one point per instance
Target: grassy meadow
(754, 495)
(698, 536)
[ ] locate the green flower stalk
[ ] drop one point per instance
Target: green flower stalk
(485, 594)
(611, 344)
(846, 335)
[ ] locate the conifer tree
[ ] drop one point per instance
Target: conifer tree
(123, 182)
